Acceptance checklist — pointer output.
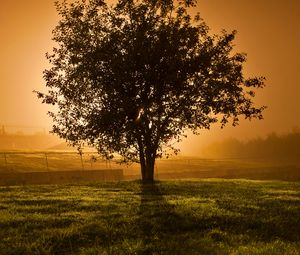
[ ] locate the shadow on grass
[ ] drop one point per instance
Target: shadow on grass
(162, 229)
(155, 216)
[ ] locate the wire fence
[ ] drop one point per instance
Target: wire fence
(52, 161)
(47, 161)
(42, 161)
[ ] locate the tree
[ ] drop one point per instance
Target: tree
(131, 78)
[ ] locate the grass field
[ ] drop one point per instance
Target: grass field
(212, 216)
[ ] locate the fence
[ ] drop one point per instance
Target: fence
(55, 167)
(48, 161)
(52, 161)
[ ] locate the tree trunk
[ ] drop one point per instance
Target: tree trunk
(147, 168)
(147, 154)
(147, 173)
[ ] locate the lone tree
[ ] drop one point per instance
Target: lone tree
(131, 78)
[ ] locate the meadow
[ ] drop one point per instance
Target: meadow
(207, 216)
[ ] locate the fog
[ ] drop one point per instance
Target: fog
(267, 32)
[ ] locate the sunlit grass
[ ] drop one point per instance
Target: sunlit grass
(174, 217)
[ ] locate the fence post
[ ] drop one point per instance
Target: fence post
(47, 165)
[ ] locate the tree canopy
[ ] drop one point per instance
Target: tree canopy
(131, 78)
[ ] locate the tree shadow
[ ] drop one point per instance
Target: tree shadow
(157, 221)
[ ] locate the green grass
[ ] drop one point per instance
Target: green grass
(172, 217)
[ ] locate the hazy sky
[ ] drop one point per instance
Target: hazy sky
(268, 31)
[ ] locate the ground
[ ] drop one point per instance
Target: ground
(208, 216)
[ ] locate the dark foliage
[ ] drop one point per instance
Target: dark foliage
(129, 79)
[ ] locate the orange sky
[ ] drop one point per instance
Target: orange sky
(268, 30)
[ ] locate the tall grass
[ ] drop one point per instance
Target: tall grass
(171, 217)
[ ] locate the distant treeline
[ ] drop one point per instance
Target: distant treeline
(274, 146)
(27, 142)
